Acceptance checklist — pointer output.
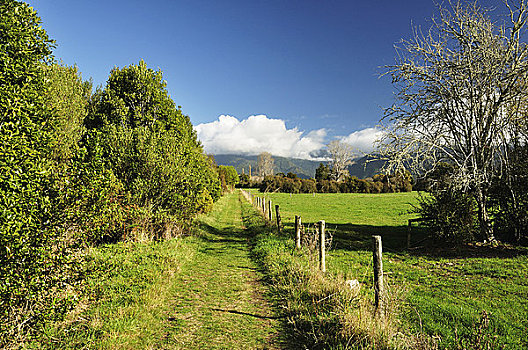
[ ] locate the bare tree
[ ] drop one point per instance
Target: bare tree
(461, 88)
(341, 157)
(266, 164)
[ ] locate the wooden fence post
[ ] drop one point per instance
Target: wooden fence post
(297, 231)
(409, 228)
(278, 217)
(378, 273)
(322, 246)
(270, 210)
(264, 206)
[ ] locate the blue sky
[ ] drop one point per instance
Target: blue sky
(313, 65)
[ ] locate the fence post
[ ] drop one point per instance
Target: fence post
(264, 206)
(322, 246)
(297, 231)
(278, 217)
(378, 273)
(270, 210)
(409, 228)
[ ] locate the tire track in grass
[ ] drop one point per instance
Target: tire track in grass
(218, 298)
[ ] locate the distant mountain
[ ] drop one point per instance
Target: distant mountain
(366, 166)
(361, 167)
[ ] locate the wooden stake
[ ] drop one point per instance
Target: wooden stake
(278, 217)
(378, 273)
(409, 228)
(322, 246)
(270, 210)
(297, 231)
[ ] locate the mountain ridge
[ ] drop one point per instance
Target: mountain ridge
(361, 167)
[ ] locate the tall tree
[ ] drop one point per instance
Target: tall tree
(461, 88)
(266, 164)
(341, 158)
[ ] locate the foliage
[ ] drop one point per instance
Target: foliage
(78, 169)
(32, 256)
(228, 177)
(509, 198)
(67, 96)
(379, 184)
(146, 142)
(450, 215)
(322, 172)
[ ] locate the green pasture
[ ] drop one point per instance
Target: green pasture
(464, 297)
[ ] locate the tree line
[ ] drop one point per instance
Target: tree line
(325, 181)
(80, 167)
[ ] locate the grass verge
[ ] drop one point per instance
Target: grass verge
(195, 292)
(320, 310)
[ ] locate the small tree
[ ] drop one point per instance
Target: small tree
(322, 172)
(228, 176)
(461, 88)
(341, 158)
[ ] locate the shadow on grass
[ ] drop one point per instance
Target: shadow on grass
(224, 235)
(249, 314)
(359, 238)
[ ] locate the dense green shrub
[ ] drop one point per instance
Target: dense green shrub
(150, 147)
(450, 215)
(509, 198)
(78, 168)
(448, 211)
(32, 249)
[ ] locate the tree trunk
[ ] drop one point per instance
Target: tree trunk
(486, 233)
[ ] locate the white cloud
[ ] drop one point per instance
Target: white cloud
(363, 140)
(257, 134)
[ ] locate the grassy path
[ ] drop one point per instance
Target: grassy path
(197, 292)
(218, 297)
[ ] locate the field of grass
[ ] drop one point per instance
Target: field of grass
(197, 292)
(471, 297)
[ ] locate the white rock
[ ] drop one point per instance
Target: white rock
(353, 284)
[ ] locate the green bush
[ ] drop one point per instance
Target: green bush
(34, 258)
(152, 149)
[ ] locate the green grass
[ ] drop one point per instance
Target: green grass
(195, 292)
(446, 292)
(318, 311)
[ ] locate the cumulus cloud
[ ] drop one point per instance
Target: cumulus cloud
(363, 140)
(257, 134)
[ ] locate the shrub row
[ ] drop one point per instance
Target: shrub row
(291, 184)
(78, 168)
